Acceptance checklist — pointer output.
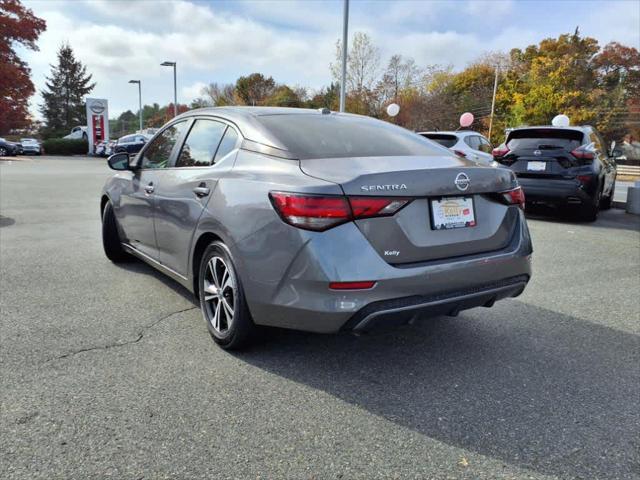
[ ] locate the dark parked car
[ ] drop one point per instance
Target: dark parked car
(130, 143)
(8, 148)
(315, 220)
(562, 166)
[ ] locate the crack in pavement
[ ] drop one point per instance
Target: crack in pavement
(109, 346)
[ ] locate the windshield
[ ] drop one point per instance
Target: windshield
(544, 139)
(446, 140)
(338, 136)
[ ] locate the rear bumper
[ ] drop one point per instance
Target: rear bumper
(556, 191)
(299, 297)
(403, 310)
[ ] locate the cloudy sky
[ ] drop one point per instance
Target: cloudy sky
(293, 41)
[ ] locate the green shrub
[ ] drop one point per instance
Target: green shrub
(64, 146)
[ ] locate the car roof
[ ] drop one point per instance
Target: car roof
(461, 133)
(247, 119)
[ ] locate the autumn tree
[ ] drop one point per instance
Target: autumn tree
(254, 89)
(19, 26)
(218, 95)
(64, 104)
(363, 63)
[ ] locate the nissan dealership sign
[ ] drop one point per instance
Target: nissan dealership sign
(97, 122)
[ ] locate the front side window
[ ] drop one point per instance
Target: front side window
(485, 146)
(158, 152)
(201, 144)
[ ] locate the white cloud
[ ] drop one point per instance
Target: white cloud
(292, 41)
(192, 91)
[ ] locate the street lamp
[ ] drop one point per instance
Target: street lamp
(345, 37)
(139, 99)
(175, 88)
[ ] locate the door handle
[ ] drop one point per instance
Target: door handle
(201, 190)
(149, 188)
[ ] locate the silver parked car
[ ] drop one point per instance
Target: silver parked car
(315, 220)
(466, 143)
(30, 146)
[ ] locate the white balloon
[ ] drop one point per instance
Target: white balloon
(560, 121)
(393, 109)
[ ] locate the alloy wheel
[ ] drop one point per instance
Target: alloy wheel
(219, 294)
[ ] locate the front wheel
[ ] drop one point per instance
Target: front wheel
(222, 299)
(111, 238)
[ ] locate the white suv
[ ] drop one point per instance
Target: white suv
(465, 143)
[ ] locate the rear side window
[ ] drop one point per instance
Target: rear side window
(201, 144)
(544, 139)
(227, 145)
(158, 152)
(446, 140)
(339, 136)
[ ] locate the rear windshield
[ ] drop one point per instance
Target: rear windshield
(333, 136)
(442, 138)
(544, 138)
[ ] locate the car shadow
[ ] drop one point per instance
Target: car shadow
(541, 390)
(613, 218)
(139, 267)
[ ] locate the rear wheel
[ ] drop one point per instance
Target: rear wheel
(222, 299)
(589, 212)
(111, 238)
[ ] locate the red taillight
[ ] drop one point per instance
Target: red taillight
(460, 153)
(515, 197)
(316, 212)
(351, 285)
(584, 179)
(582, 153)
(365, 207)
(500, 151)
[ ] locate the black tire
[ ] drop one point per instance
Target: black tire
(589, 212)
(605, 203)
(3, 152)
(240, 330)
(111, 238)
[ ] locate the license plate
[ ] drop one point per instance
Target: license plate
(537, 166)
(453, 212)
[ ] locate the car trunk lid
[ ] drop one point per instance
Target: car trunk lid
(409, 236)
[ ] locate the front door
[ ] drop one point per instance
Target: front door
(138, 200)
(187, 187)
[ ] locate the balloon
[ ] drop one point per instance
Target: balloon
(560, 121)
(466, 119)
(393, 109)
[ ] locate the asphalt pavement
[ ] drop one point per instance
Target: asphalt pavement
(107, 371)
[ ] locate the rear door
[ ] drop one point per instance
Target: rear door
(206, 154)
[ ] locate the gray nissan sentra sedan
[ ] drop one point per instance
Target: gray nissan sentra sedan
(315, 220)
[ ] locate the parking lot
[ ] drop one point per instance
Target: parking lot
(107, 371)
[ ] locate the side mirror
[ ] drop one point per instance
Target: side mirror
(616, 152)
(119, 161)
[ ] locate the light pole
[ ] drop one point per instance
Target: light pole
(175, 87)
(139, 99)
(493, 100)
(345, 37)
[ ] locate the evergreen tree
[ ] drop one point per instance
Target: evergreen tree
(69, 83)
